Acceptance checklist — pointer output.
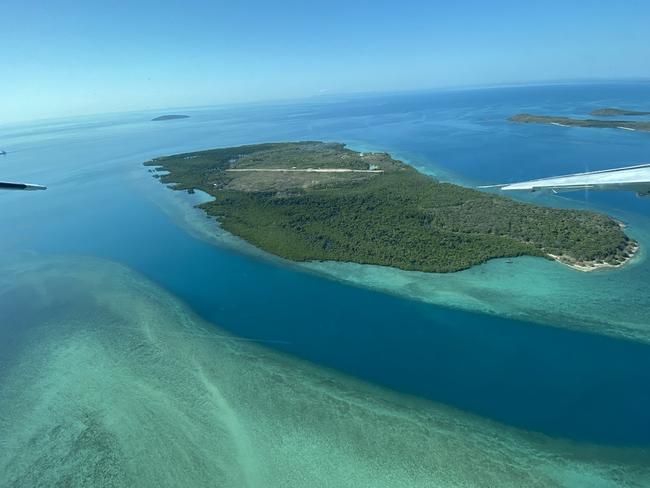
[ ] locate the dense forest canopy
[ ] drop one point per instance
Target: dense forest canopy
(321, 201)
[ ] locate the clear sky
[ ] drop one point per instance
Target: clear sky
(68, 57)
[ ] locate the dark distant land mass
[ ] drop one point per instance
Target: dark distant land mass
(308, 201)
(170, 117)
(608, 112)
(569, 122)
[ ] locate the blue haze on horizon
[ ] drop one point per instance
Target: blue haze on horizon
(76, 57)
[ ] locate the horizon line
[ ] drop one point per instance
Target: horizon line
(325, 96)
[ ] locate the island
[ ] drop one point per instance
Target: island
(170, 117)
(569, 122)
(610, 112)
(311, 200)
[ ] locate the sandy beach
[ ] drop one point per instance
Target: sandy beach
(587, 266)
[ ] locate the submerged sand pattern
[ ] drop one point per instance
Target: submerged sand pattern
(110, 381)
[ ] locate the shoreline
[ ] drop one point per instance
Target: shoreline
(563, 257)
(589, 266)
(492, 288)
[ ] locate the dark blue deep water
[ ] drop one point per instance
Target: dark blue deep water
(560, 382)
(557, 381)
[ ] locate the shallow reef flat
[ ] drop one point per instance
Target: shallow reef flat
(607, 302)
(610, 302)
(107, 380)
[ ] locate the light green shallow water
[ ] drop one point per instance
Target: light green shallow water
(113, 382)
(611, 301)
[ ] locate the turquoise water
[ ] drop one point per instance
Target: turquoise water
(532, 344)
(118, 384)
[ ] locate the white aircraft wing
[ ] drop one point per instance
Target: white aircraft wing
(5, 185)
(631, 178)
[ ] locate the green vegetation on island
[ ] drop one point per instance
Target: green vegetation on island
(569, 122)
(169, 117)
(321, 201)
(609, 112)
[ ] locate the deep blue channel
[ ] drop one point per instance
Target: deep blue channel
(556, 381)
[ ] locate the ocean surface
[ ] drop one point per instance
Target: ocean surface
(529, 345)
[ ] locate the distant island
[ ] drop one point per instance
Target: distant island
(609, 112)
(308, 201)
(569, 122)
(170, 117)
